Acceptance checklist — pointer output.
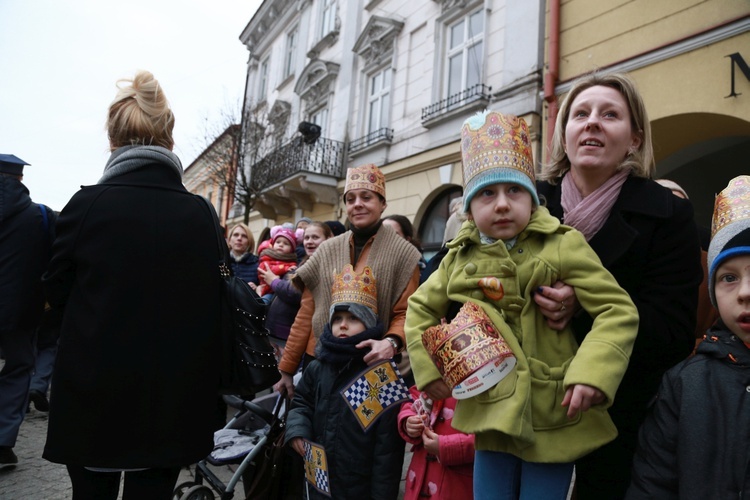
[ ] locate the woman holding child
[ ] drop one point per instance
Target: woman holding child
(392, 259)
(599, 182)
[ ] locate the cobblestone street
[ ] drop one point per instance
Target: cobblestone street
(37, 479)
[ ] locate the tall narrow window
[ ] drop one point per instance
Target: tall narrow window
(263, 80)
(320, 117)
(291, 49)
(465, 40)
(328, 17)
(379, 100)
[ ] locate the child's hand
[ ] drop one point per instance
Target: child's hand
(414, 426)
(298, 445)
(252, 285)
(581, 397)
(431, 441)
(268, 275)
(437, 390)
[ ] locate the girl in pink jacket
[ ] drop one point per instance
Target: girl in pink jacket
(443, 461)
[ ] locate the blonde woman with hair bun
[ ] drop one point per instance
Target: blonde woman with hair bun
(134, 271)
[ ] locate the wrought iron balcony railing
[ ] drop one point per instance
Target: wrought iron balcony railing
(325, 157)
(380, 135)
(477, 92)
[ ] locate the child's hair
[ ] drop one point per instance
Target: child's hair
(140, 114)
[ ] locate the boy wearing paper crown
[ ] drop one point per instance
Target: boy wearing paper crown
(695, 441)
(364, 454)
(551, 407)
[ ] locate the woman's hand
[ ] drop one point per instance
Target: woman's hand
(581, 397)
(431, 441)
(252, 285)
(380, 350)
(298, 445)
(558, 303)
(413, 426)
(285, 385)
(268, 275)
(437, 390)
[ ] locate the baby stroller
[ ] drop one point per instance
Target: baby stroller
(253, 438)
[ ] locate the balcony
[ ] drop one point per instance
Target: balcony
(383, 135)
(476, 97)
(298, 175)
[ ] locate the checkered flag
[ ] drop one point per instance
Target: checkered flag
(375, 390)
(316, 467)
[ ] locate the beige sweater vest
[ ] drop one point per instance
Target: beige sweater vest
(391, 258)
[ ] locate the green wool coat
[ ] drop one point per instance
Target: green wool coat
(522, 414)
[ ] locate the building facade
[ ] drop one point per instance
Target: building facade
(211, 174)
(389, 83)
(690, 60)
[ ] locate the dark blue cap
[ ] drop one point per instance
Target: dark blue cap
(11, 164)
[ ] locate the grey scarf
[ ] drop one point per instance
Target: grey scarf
(130, 158)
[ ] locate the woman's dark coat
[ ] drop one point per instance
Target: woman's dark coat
(136, 380)
(246, 267)
(650, 244)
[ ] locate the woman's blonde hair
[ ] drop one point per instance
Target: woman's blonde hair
(140, 114)
(250, 238)
(640, 161)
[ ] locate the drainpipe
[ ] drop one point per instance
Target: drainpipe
(553, 67)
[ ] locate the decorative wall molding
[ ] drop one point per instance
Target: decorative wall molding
(377, 41)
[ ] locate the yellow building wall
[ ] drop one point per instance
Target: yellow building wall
(599, 33)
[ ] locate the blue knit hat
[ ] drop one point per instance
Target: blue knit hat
(730, 227)
(496, 148)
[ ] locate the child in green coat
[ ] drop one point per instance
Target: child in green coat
(552, 407)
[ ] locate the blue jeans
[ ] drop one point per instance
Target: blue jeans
(501, 476)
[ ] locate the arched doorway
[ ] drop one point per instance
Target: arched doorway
(701, 152)
(433, 219)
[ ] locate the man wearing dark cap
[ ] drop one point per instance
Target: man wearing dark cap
(25, 247)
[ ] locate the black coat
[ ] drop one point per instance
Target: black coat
(136, 380)
(25, 244)
(362, 465)
(650, 244)
(695, 443)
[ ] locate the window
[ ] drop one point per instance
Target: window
(291, 48)
(320, 117)
(464, 54)
(328, 17)
(263, 80)
(379, 100)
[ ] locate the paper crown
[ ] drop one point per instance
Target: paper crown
(496, 148)
(469, 352)
(352, 288)
(732, 204)
(365, 177)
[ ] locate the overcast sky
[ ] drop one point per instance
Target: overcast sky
(60, 60)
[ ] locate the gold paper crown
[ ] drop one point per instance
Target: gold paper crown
(732, 204)
(491, 140)
(365, 177)
(350, 287)
(464, 345)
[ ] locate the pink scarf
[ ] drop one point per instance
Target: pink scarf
(588, 214)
